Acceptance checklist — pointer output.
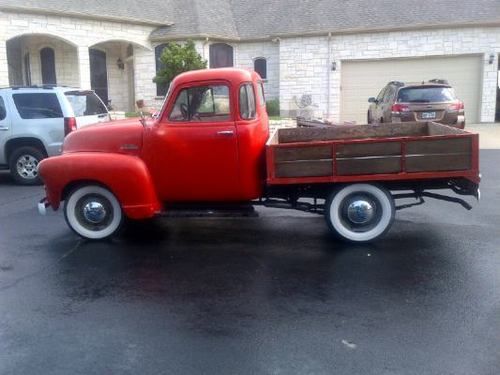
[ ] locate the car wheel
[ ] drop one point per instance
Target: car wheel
(360, 212)
(93, 212)
(23, 164)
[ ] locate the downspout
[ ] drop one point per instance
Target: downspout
(329, 69)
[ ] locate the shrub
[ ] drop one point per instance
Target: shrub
(273, 107)
(176, 59)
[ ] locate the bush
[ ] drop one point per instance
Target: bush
(273, 107)
(176, 59)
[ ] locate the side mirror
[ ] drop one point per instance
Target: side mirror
(372, 100)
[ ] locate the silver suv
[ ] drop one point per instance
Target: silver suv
(34, 122)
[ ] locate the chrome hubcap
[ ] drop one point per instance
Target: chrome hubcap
(360, 212)
(94, 212)
(27, 166)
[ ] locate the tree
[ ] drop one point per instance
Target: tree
(176, 59)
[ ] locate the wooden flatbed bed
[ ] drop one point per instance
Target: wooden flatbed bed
(384, 152)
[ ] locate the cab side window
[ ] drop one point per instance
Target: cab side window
(247, 102)
(209, 103)
(3, 111)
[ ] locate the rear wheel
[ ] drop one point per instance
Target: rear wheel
(23, 164)
(93, 212)
(360, 212)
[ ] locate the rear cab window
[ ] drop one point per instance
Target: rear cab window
(248, 109)
(207, 103)
(426, 94)
(37, 105)
(262, 97)
(85, 103)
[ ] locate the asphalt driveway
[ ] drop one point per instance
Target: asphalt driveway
(268, 295)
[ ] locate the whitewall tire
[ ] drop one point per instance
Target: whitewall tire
(360, 212)
(93, 212)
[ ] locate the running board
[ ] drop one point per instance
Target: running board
(236, 211)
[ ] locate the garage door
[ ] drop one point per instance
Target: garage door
(363, 79)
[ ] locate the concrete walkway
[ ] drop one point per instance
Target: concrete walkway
(489, 134)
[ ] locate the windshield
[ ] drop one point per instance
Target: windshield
(426, 95)
(85, 103)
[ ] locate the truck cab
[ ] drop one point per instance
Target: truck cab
(213, 132)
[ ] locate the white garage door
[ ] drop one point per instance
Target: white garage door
(363, 79)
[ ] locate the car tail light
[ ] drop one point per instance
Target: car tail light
(457, 106)
(69, 125)
(400, 108)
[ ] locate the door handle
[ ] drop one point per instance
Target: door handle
(226, 133)
(4, 128)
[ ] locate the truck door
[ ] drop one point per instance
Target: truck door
(5, 128)
(195, 146)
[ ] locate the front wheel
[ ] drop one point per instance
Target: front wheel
(93, 212)
(360, 212)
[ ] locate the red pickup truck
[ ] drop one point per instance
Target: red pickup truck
(210, 148)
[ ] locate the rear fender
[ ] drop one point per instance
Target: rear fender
(126, 176)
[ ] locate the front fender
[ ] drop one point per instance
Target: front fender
(125, 175)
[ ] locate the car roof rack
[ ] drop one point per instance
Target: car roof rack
(397, 83)
(439, 81)
(44, 86)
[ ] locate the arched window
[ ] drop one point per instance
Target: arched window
(260, 66)
(221, 55)
(48, 62)
(99, 74)
(161, 88)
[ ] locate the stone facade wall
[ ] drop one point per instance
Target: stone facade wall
(246, 53)
(304, 71)
(305, 62)
(117, 78)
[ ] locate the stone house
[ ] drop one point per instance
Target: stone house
(332, 54)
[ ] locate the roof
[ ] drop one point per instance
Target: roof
(141, 12)
(265, 19)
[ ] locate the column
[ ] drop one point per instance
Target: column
(84, 67)
(4, 66)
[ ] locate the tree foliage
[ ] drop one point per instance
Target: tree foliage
(176, 59)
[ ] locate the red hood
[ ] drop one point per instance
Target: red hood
(122, 136)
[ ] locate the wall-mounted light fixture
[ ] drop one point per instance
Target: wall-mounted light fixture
(491, 59)
(334, 66)
(120, 64)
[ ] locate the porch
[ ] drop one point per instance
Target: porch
(106, 67)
